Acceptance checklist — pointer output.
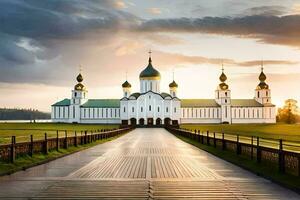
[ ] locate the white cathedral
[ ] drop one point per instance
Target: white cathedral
(150, 106)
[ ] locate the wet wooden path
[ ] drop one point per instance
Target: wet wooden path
(144, 164)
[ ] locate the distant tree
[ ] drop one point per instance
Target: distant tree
(289, 113)
(22, 114)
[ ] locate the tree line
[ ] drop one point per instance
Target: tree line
(22, 114)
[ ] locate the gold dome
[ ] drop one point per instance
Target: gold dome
(223, 77)
(173, 84)
(79, 78)
(79, 86)
(262, 77)
(223, 86)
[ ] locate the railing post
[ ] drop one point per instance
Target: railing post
(258, 151)
(13, 149)
(57, 140)
(251, 147)
(215, 143)
(238, 147)
(202, 138)
(198, 136)
(207, 138)
(66, 140)
(223, 142)
(281, 158)
(85, 137)
(46, 144)
(75, 142)
(31, 146)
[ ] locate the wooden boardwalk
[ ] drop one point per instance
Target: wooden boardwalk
(144, 164)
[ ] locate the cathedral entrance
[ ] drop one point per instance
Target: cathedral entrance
(150, 121)
(141, 121)
(158, 121)
(167, 121)
(133, 121)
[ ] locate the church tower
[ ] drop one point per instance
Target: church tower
(222, 97)
(150, 78)
(173, 88)
(262, 91)
(126, 89)
(79, 97)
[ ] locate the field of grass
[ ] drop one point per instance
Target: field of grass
(22, 131)
(289, 132)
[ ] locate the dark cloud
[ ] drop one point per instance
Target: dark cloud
(270, 29)
(266, 10)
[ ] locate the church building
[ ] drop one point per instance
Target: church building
(150, 106)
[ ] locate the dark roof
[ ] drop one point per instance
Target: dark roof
(65, 102)
(199, 103)
(164, 95)
(149, 71)
(102, 103)
(136, 95)
(245, 103)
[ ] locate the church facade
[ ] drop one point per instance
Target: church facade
(150, 106)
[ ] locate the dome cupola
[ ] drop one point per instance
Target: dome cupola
(262, 78)
(79, 86)
(173, 84)
(126, 84)
(150, 72)
(223, 78)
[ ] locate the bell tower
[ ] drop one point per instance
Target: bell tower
(79, 97)
(262, 91)
(223, 98)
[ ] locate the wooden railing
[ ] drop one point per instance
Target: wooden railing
(283, 154)
(9, 152)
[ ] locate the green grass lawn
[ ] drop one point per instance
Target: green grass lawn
(22, 131)
(271, 131)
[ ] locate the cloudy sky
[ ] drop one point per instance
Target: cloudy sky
(42, 44)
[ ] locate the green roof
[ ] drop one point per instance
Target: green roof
(245, 103)
(65, 102)
(199, 103)
(102, 103)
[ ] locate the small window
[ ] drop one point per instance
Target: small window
(149, 96)
(225, 100)
(124, 109)
(157, 109)
(267, 94)
(149, 108)
(132, 109)
(167, 109)
(141, 109)
(125, 94)
(226, 94)
(75, 94)
(258, 94)
(175, 110)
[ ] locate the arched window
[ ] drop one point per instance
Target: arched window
(267, 93)
(157, 109)
(226, 94)
(167, 109)
(125, 94)
(132, 109)
(174, 109)
(150, 108)
(124, 110)
(225, 100)
(258, 94)
(141, 109)
(75, 94)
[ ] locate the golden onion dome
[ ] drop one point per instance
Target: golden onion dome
(173, 84)
(150, 72)
(262, 76)
(79, 78)
(223, 77)
(262, 85)
(223, 86)
(126, 84)
(79, 86)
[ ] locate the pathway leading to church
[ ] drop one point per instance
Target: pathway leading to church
(143, 164)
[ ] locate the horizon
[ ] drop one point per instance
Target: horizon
(44, 43)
